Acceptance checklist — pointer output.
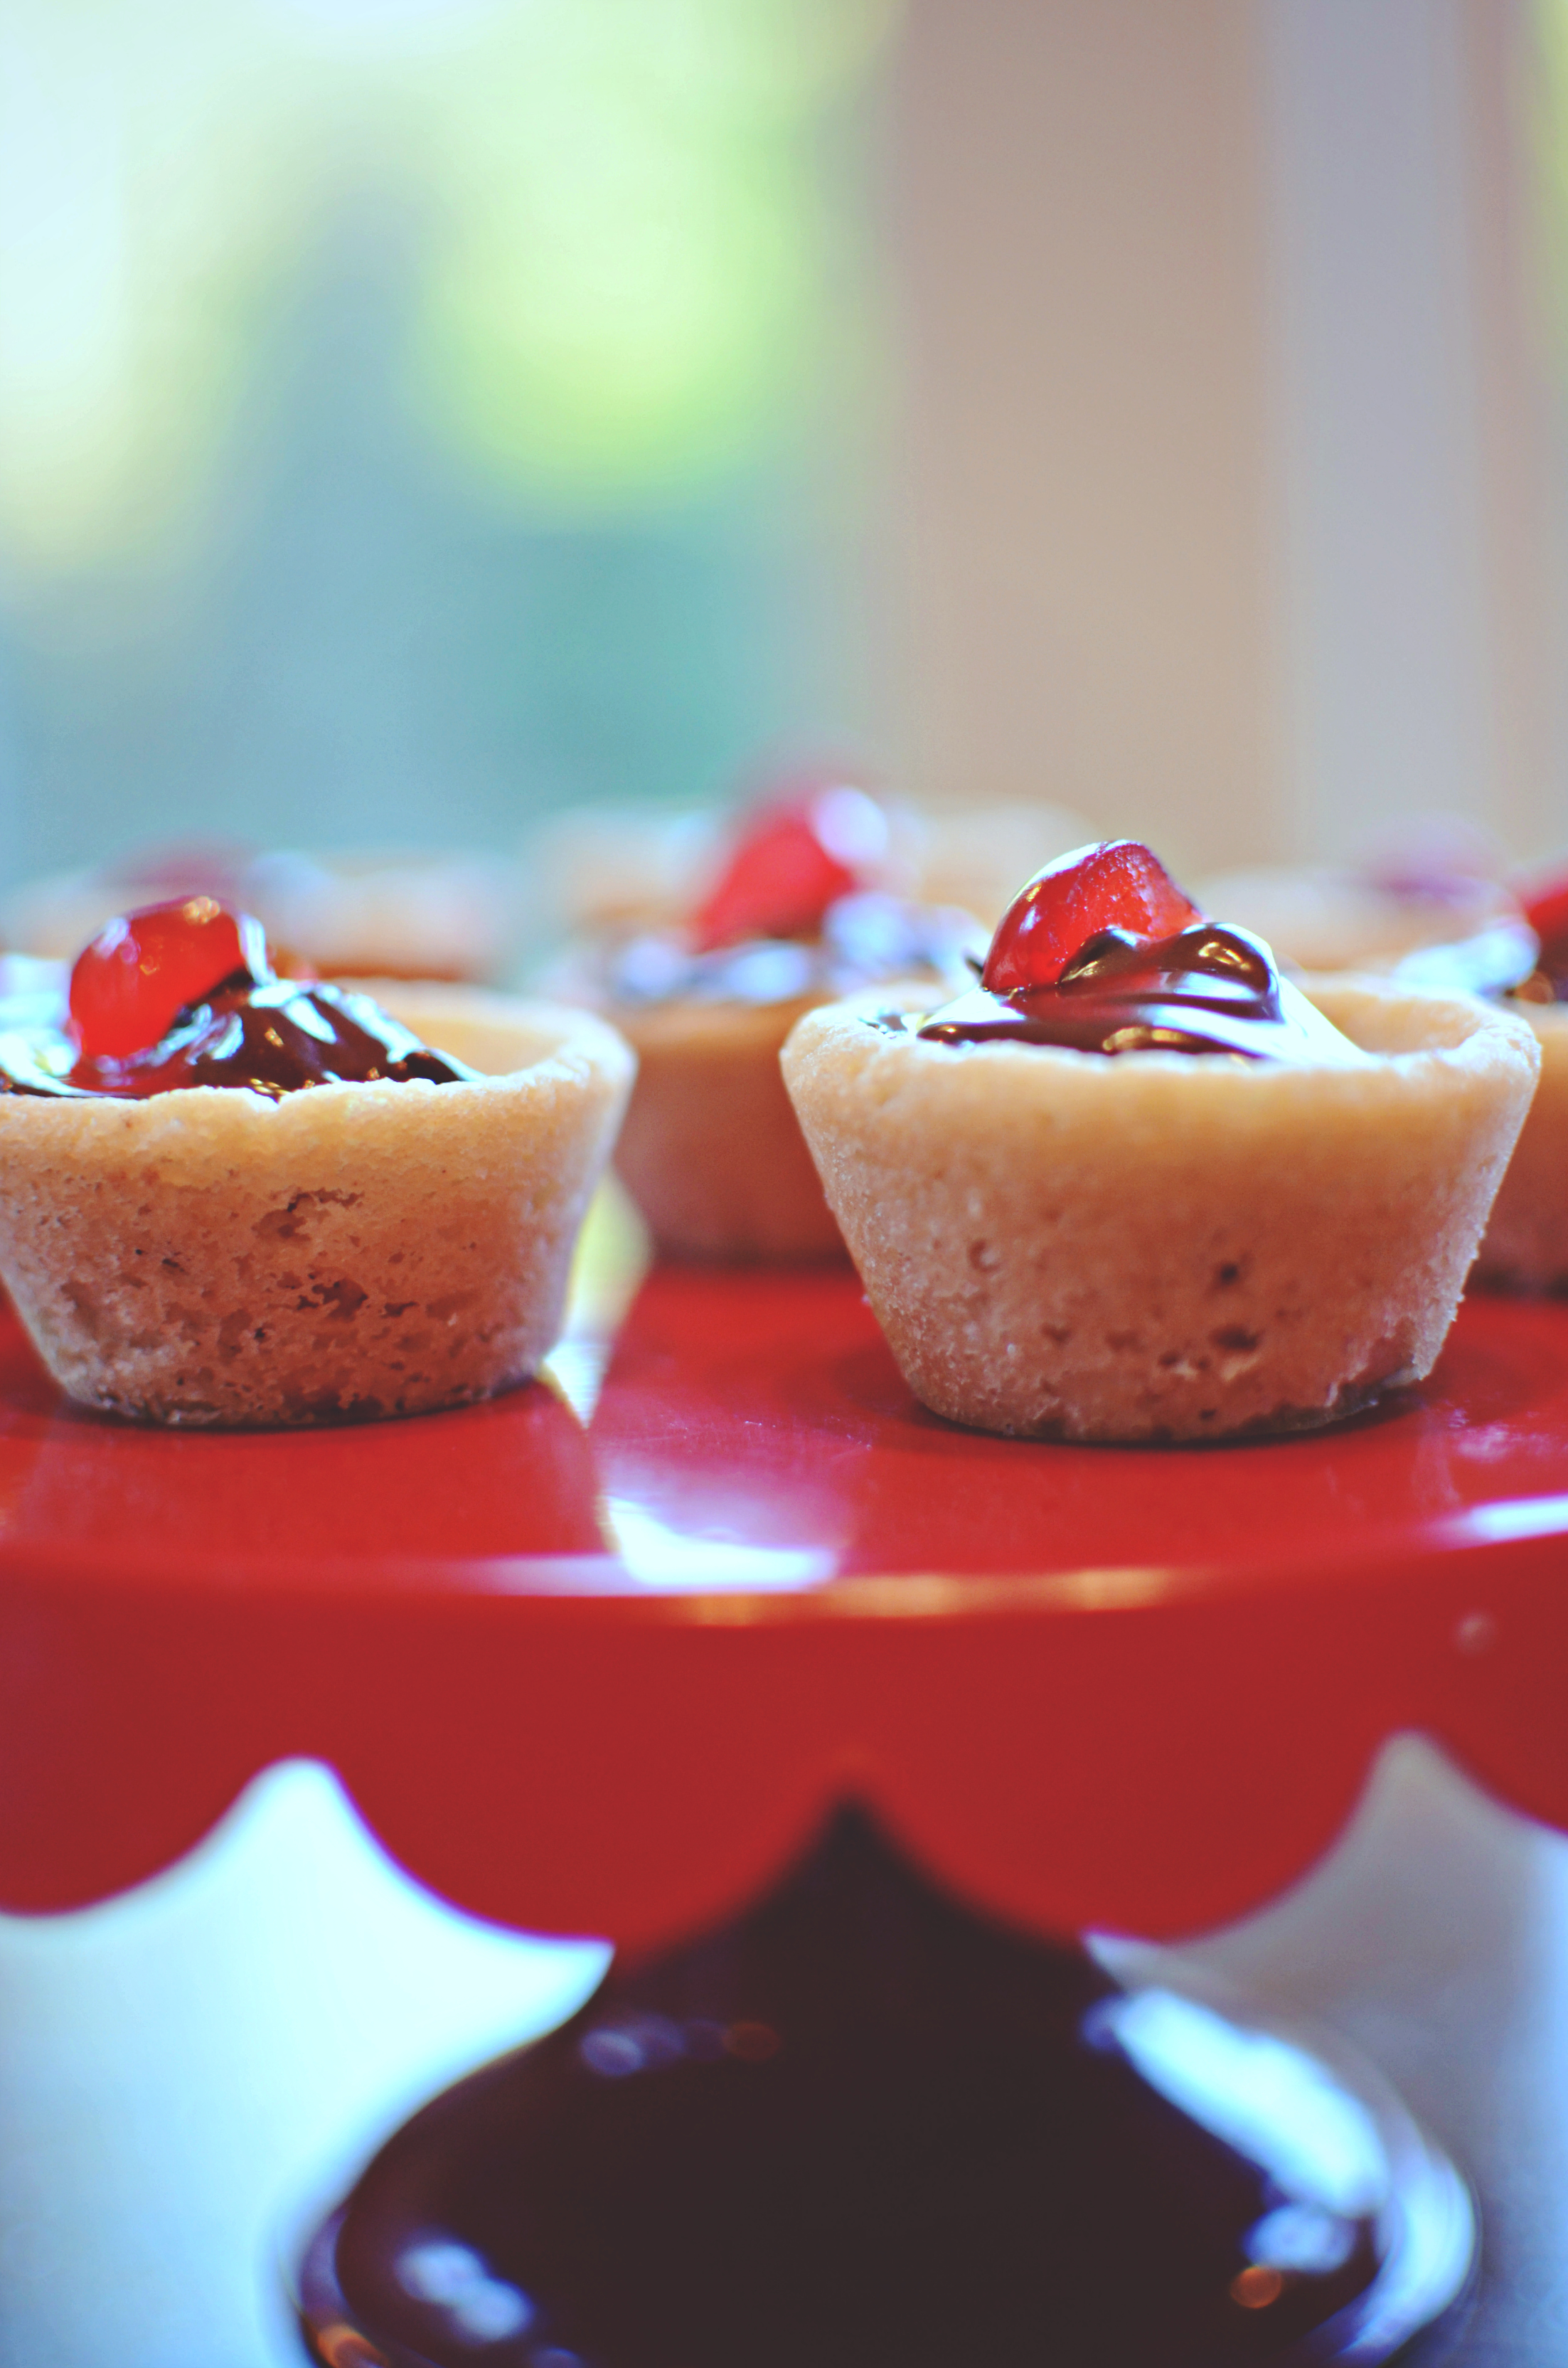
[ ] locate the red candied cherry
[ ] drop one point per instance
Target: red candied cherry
(141, 971)
(794, 861)
(1546, 910)
(1115, 885)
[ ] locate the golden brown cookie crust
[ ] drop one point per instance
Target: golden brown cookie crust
(1059, 1245)
(1526, 1244)
(353, 1251)
(711, 1151)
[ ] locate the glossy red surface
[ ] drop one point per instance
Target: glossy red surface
(605, 1677)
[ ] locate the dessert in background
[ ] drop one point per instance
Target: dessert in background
(1438, 881)
(369, 914)
(710, 1150)
(1523, 962)
(594, 869)
(1136, 1186)
(228, 1197)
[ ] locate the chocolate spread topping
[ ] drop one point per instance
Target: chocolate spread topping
(274, 1039)
(1205, 989)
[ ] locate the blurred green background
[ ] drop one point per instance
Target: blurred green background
(414, 413)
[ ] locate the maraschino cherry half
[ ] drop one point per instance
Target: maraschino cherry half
(799, 855)
(1546, 910)
(1102, 952)
(1113, 884)
(141, 971)
(1544, 906)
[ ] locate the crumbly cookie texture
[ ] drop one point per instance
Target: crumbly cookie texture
(1526, 1244)
(711, 1150)
(1161, 1245)
(207, 1256)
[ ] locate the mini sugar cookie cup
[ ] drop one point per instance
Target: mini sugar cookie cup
(1164, 1246)
(209, 1257)
(1526, 1244)
(711, 1151)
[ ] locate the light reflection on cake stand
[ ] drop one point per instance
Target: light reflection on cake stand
(722, 1636)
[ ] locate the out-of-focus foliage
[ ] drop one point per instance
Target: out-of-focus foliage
(622, 271)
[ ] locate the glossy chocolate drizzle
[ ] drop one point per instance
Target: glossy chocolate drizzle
(1205, 989)
(274, 1039)
(858, 2127)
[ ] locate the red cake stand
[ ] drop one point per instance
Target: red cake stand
(610, 1654)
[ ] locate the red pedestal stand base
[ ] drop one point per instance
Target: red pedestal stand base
(861, 2128)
